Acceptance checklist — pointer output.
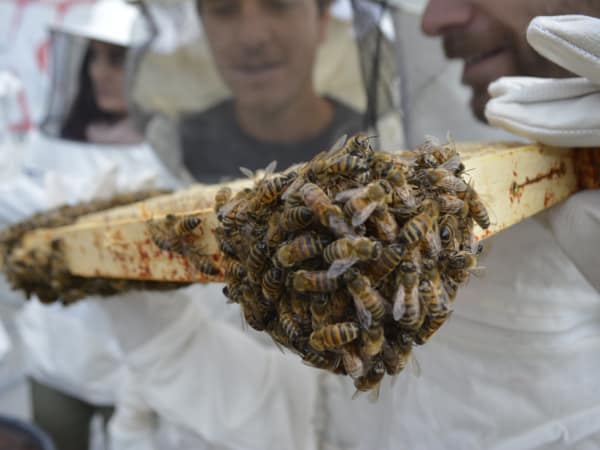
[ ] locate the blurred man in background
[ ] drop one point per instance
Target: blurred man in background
(265, 52)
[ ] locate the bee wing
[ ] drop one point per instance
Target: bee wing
(399, 305)
(356, 394)
(339, 266)
(415, 366)
(452, 164)
(337, 146)
(340, 227)
(433, 239)
(279, 346)
(374, 393)
(362, 313)
(453, 184)
(346, 195)
(270, 169)
(294, 187)
(361, 216)
(247, 172)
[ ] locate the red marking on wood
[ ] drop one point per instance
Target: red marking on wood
(549, 199)
(516, 189)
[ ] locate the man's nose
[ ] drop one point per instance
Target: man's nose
(442, 14)
(253, 27)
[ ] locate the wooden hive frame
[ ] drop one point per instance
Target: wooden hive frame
(514, 180)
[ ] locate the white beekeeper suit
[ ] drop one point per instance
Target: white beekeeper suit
(73, 349)
(514, 367)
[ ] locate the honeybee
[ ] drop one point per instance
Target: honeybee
(462, 260)
(407, 308)
(391, 256)
(403, 192)
(269, 190)
(384, 224)
(372, 341)
(430, 326)
(431, 245)
(343, 253)
(445, 180)
(361, 202)
(371, 381)
(449, 232)
(433, 154)
(257, 258)
(287, 321)
(320, 312)
(450, 204)
(311, 281)
(234, 271)
(273, 283)
(233, 293)
(326, 360)
(170, 233)
(477, 208)
(255, 317)
(370, 307)
(415, 229)
(313, 167)
(296, 218)
(202, 263)
(275, 233)
(222, 196)
(300, 304)
(358, 145)
(328, 214)
(451, 285)
(432, 293)
(333, 336)
(303, 247)
(353, 363)
(339, 305)
(341, 164)
(395, 354)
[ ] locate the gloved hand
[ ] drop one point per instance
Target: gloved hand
(561, 112)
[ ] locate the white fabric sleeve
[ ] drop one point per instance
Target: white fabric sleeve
(215, 380)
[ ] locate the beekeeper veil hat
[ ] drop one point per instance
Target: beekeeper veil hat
(116, 22)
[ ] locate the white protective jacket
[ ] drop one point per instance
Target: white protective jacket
(514, 366)
(73, 348)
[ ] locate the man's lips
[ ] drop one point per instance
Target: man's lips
(475, 59)
(257, 69)
(483, 66)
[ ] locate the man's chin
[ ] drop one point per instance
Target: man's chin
(478, 102)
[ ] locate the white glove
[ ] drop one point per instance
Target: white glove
(561, 112)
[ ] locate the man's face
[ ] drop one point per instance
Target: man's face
(264, 49)
(490, 37)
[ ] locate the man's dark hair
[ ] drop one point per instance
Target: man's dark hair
(322, 4)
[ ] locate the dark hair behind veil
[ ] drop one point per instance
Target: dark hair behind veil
(84, 110)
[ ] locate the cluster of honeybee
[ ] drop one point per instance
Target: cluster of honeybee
(353, 257)
(44, 272)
